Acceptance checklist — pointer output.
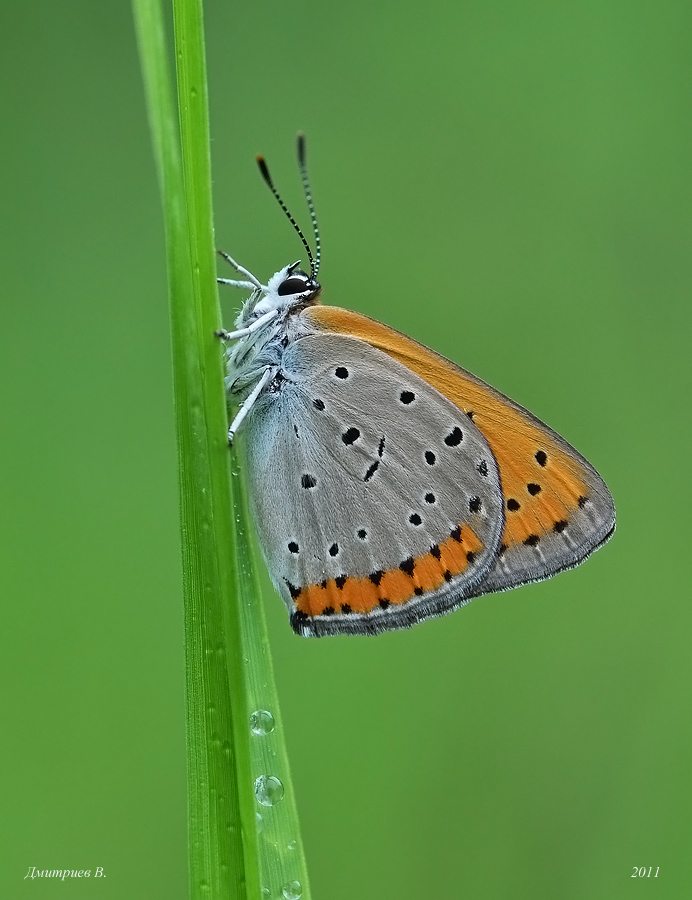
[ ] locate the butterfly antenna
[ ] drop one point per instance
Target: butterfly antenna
(267, 177)
(308, 196)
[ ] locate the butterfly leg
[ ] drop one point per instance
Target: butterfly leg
(249, 402)
(253, 282)
(246, 285)
(251, 329)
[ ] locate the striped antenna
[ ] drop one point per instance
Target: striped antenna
(308, 196)
(267, 177)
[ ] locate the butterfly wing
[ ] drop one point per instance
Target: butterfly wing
(558, 509)
(377, 501)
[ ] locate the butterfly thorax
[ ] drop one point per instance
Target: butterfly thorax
(274, 314)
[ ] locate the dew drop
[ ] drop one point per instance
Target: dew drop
(291, 845)
(259, 823)
(292, 891)
(261, 722)
(269, 790)
(266, 892)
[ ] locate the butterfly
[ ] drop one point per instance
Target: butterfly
(387, 484)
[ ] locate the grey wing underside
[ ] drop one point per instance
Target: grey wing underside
(355, 467)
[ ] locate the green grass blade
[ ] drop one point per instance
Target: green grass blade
(222, 836)
(228, 663)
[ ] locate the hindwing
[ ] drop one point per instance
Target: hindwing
(377, 501)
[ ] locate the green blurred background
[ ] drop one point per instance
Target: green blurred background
(508, 182)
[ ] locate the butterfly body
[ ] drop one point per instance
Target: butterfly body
(387, 484)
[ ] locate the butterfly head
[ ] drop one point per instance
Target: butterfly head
(293, 283)
(289, 287)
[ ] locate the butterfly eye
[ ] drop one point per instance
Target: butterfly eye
(296, 284)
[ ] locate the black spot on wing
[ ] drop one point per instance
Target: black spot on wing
(371, 471)
(407, 565)
(292, 589)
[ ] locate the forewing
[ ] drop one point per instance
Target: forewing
(377, 501)
(558, 508)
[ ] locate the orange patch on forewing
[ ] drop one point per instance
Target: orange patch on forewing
(534, 517)
(513, 437)
(361, 595)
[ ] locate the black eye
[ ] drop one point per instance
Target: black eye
(296, 284)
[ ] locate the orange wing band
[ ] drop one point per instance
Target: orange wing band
(415, 576)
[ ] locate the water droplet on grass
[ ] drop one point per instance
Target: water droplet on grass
(261, 722)
(269, 790)
(292, 891)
